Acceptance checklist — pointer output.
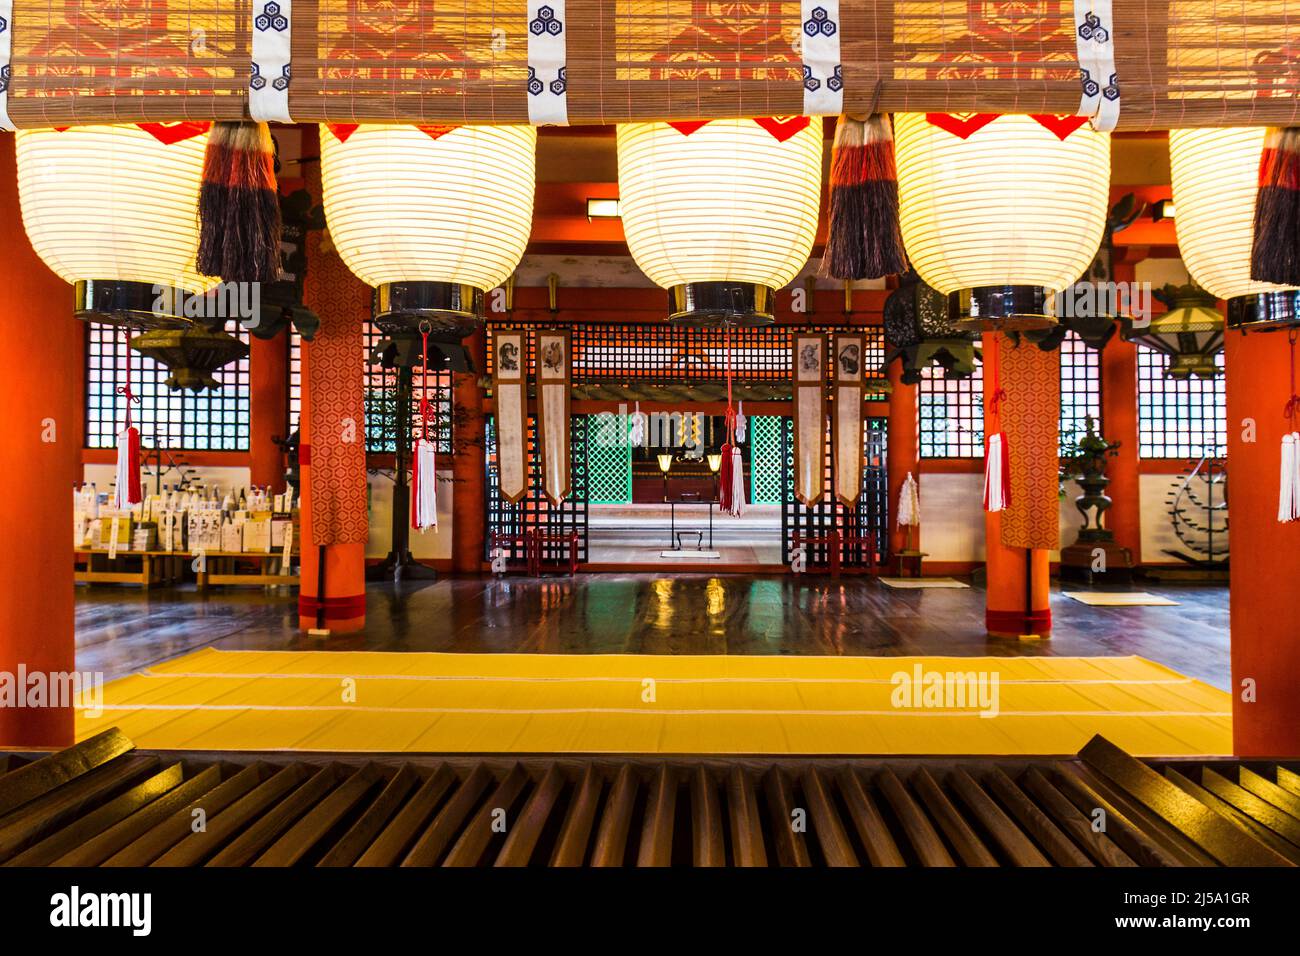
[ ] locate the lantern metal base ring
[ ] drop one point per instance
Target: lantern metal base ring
(714, 304)
(444, 308)
(1264, 312)
(133, 305)
(1001, 308)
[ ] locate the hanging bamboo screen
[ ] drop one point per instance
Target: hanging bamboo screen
(1184, 62)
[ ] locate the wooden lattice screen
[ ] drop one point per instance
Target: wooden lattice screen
(1179, 63)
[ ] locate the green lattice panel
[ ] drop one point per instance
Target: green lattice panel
(765, 459)
(609, 463)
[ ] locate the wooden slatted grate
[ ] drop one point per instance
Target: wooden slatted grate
(103, 802)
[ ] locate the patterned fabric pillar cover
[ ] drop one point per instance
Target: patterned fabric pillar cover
(1031, 420)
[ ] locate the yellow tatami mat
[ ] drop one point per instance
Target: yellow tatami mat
(532, 703)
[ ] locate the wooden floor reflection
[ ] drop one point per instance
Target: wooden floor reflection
(120, 630)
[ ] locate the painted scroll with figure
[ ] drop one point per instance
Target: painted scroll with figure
(553, 412)
(809, 376)
(510, 392)
(848, 352)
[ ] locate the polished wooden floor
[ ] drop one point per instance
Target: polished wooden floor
(121, 630)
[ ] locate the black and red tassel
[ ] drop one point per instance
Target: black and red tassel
(864, 240)
(239, 205)
(1275, 255)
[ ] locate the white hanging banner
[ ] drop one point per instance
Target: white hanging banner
(819, 46)
(548, 97)
(6, 52)
(809, 375)
(553, 382)
(1094, 38)
(510, 393)
(268, 80)
(848, 373)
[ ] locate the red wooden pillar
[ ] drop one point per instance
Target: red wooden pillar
(40, 447)
(268, 377)
(1119, 422)
(1265, 567)
(1011, 610)
(469, 498)
(903, 454)
(1007, 570)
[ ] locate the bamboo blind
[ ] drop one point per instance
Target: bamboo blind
(1181, 63)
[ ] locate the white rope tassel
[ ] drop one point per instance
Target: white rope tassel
(122, 488)
(426, 489)
(1288, 506)
(995, 470)
(737, 484)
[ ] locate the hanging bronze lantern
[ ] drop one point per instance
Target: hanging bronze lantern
(191, 354)
(918, 332)
(1190, 333)
(1090, 306)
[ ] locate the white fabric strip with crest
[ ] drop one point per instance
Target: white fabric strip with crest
(6, 53)
(270, 72)
(819, 47)
(548, 97)
(1094, 37)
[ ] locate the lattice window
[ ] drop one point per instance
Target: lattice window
(609, 459)
(380, 397)
(659, 351)
(510, 522)
(952, 414)
(295, 380)
(1178, 418)
(765, 459)
(381, 401)
(868, 521)
(1080, 386)
(210, 421)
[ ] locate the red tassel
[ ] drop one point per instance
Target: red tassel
(239, 206)
(726, 480)
(127, 488)
(864, 240)
(1275, 255)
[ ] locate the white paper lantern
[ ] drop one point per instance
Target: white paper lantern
(721, 217)
(1215, 180)
(1011, 206)
(113, 210)
(431, 219)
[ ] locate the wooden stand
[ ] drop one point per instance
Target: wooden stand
(161, 568)
(239, 568)
(154, 567)
(1077, 562)
(908, 563)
